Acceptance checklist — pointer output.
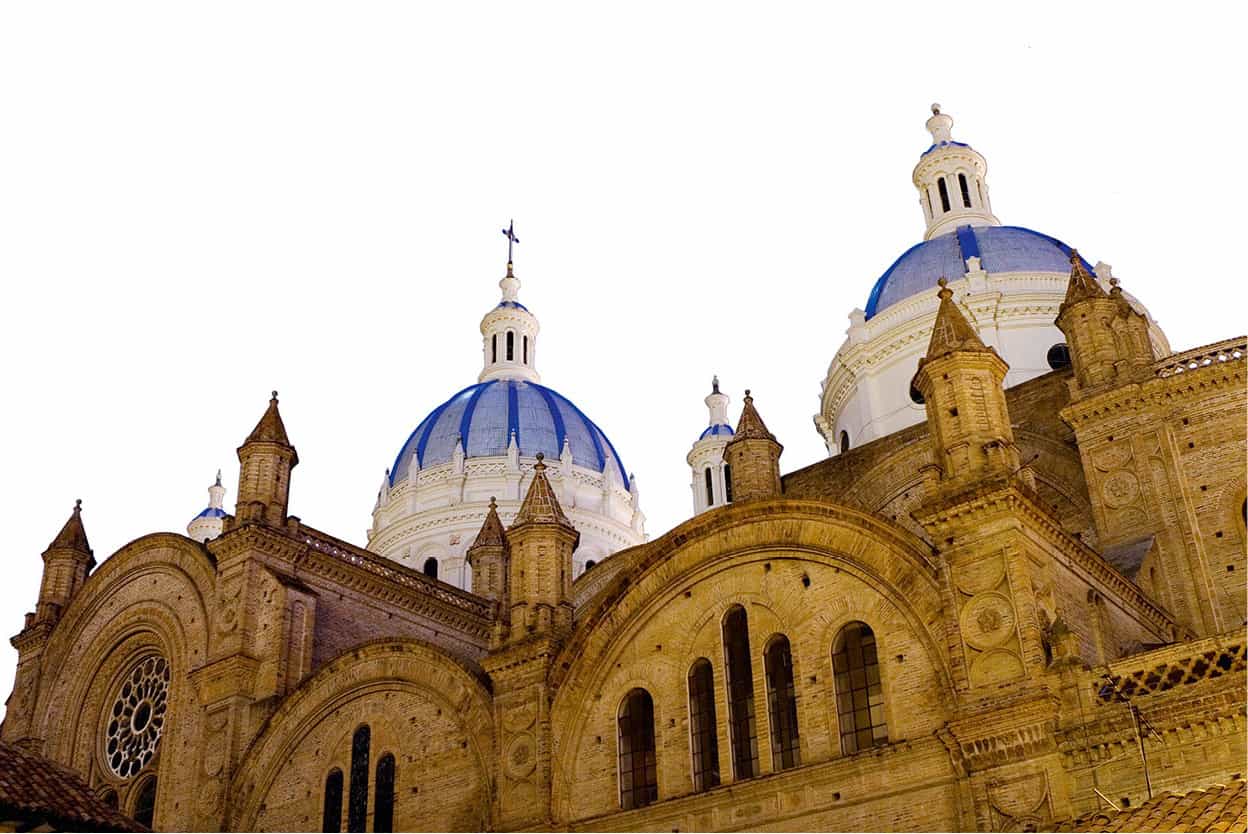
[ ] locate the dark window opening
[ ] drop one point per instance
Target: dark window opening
(431, 568)
(145, 804)
(331, 817)
(357, 804)
(494, 348)
(844, 441)
(916, 396)
(703, 735)
(740, 694)
(383, 801)
(710, 488)
(727, 484)
(1058, 356)
(944, 194)
(928, 193)
(525, 344)
(110, 798)
(639, 776)
(589, 564)
(782, 704)
(966, 192)
(511, 346)
(859, 693)
(980, 191)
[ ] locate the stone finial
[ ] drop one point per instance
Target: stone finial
(73, 535)
(951, 331)
(940, 126)
(1083, 284)
(491, 533)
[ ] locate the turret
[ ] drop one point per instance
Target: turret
(487, 556)
(539, 574)
(961, 381)
(951, 179)
(752, 458)
(1107, 337)
(711, 476)
(266, 459)
(509, 336)
(211, 520)
(66, 563)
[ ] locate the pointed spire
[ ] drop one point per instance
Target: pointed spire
(1082, 283)
(951, 332)
(540, 504)
(218, 483)
(491, 534)
(751, 426)
(73, 535)
(270, 429)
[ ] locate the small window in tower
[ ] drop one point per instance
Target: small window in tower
(511, 346)
(727, 484)
(589, 564)
(928, 193)
(1058, 356)
(966, 192)
(525, 356)
(916, 396)
(494, 348)
(979, 189)
(944, 194)
(145, 803)
(844, 441)
(431, 568)
(710, 488)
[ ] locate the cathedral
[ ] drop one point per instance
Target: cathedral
(1011, 597)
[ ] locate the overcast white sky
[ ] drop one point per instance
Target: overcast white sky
(203, 202)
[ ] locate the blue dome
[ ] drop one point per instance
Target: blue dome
(486, 414)
(999, 249)
(212, 512)
(717, 430)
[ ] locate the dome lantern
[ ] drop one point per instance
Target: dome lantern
(951, 181)
(509, 336)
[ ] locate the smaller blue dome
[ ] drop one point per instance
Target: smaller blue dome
(717, 430)
(944, 145)
(212, 512)
(513, 304)
(999, 249)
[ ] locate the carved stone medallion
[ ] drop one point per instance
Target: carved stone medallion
(987, 620)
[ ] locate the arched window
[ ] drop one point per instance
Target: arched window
(525, 344)
(740, 694)
(859, 695)
(109, 798)
(639, 775)
(511, 346)
(383, 802)
(966, 192)
(928, 193)
(431, 568)
(331, 817)
(145, 803)
(979, 190)
(703, 737)
(944, 194)
(781, 704)
(727, 484)
(710, 488)
(844, 441)
(357, 804)
(494, 348)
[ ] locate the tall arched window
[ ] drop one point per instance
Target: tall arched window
(966, 192)
(944, 194)
(703, 736)
(727, 484)
(383, 793)
(511, 346)
(710, 487)
(525, 343)
(928, 193)
(639, 774)
(494, 348)
(431, 568)
(781, 704)
(357, 804)
(331, 816)
(859, 694)
(145, 803)
(844, 441)
(979, 190)
(740, 694)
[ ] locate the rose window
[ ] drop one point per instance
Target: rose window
(137, 717)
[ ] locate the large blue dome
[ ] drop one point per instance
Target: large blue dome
(486, 414)
(999, 249)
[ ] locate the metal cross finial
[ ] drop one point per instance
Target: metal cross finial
(510, 233)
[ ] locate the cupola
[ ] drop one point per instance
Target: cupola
(951, 181)
(509, 336)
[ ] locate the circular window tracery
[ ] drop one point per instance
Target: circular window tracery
(137, 717)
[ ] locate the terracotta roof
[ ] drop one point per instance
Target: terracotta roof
(751, 426)
(951, 331)
(540, 504)
(491, 534)
(1082, 285)
(73, 535)
(270, 429)
(1217, 808)
(41, 792)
